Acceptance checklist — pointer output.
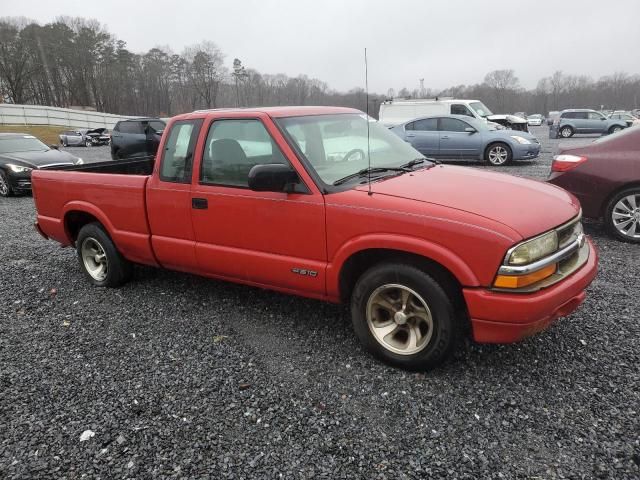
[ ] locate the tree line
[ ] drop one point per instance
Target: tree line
(75, 61)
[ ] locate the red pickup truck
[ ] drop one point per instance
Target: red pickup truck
(323, 202)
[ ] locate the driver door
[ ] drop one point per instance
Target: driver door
(275, 239)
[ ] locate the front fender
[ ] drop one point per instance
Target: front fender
(400, 243)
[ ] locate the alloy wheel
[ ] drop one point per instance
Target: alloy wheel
(4, 188)
(626, 216)
(565, 132)
(399, 319)
(498, 155)
(94, 259)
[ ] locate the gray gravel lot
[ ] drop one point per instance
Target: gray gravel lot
(180, 377)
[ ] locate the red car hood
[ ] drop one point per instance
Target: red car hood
(527, 206)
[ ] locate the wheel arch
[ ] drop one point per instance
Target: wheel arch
(614, 192)
(78, 214)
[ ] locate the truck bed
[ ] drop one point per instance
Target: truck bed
(111, 192)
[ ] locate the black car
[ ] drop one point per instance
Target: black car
(136, 138)
(20, 154)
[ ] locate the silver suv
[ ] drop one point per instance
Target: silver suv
(579, 121)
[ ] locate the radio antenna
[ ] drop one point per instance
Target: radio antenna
(366, 84)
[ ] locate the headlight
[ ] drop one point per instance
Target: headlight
(18, 168)
(535, 249)
(79, 161)
(520, 139)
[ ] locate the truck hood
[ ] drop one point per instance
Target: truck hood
(528, 207)
(508, 118)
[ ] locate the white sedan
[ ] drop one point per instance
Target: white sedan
(535, 120)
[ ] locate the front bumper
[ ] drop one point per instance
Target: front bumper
(499, 317)
(523, 152)
(20, 182)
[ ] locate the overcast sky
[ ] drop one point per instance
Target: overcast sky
(445, 42)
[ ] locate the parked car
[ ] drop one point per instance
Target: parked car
(395, 112)
(605, 176)
(290, 199)
(136, 138)
(584, 121)
(625, 116)
(459, 136)
(85, 137)
(552, 116)
(20, 154)
(535, 120)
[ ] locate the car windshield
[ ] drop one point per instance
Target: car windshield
(26, 143)
(336, 145)
(481, 109)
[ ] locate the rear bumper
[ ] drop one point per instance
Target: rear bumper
(498, 317)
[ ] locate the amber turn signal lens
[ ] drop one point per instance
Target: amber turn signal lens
(519, 281)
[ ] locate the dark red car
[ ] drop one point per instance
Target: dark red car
(605, 176)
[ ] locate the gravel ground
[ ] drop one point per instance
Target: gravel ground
(182, 377)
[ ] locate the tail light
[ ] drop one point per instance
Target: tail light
(564, 163)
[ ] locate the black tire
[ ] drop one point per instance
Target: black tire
(566, 132)
(610, 223)
(64, 142)
(118, 268)
(444, 329)
(498, 154)
(88, 143)
(5, 186)
(614, 129)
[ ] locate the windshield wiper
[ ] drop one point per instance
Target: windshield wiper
(414, 162)
(367, 171)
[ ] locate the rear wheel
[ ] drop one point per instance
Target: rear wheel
(99, 258)
(622, 216)
(5, 187)
(403, 316)
(566, 132)
(498, 154)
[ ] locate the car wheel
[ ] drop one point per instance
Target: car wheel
(498, 154)
(99, 258)
(5, 187)
(622, 215)
(88, 143)
(403, 316)
(566, 132)
(614, 129)
(63, 142)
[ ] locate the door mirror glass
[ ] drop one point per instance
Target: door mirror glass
(272, 177)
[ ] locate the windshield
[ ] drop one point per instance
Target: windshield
(336, 145)
(26, 143)
(481, 109)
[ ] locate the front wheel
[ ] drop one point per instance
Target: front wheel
(614, 129)
(622, 215)
(88, 143)
(99, 258)
(5, 186)
(498, 154)
(566, 132)
(403, 316)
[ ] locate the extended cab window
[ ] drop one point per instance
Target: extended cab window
(232, 148)
(177, 157)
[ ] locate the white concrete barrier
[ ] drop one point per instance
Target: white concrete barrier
(11, 114)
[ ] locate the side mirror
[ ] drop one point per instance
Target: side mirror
(53, 146)
(272, 177)
(470, 130)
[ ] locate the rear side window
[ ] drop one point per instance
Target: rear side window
(177, 156)
(131, 127)
(426, 125)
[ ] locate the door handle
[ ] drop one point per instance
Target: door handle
(444, 136)
(411, 134)
(199, 203)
